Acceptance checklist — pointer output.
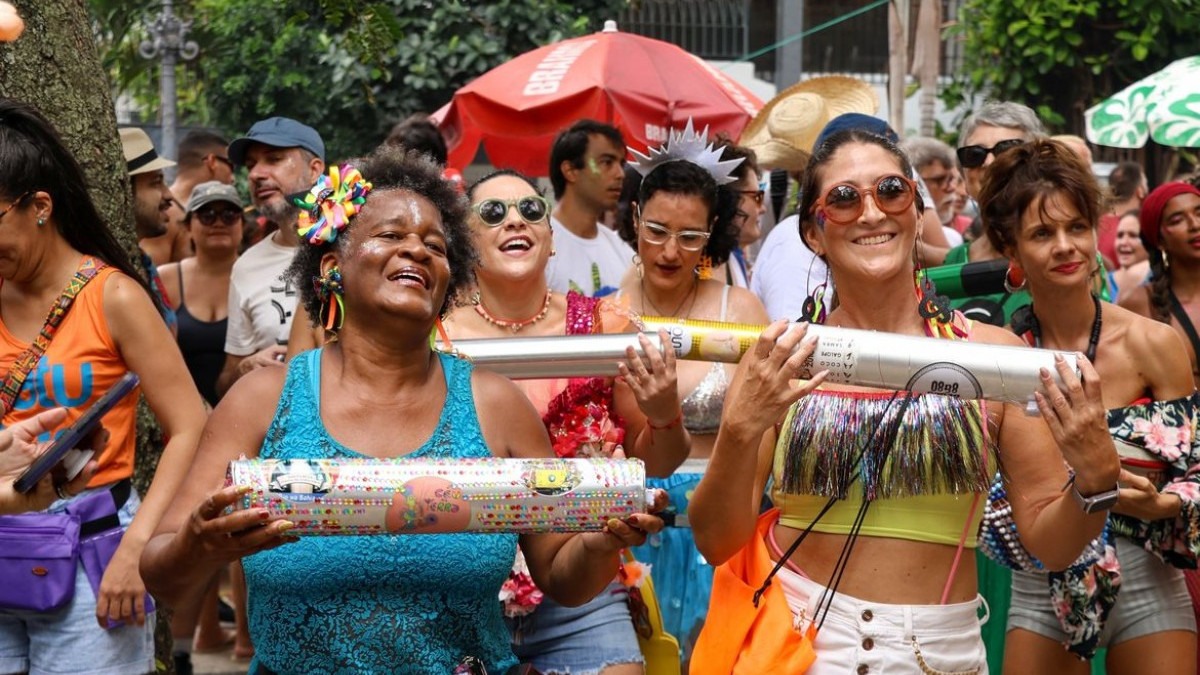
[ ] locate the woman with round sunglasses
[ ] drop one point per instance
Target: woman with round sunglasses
(886, 487)
(199, 286)
(1042, 209)
(585, 417)
(683, 228)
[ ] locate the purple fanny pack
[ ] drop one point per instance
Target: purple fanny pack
(39, 551)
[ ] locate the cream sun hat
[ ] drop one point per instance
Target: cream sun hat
(783, 132)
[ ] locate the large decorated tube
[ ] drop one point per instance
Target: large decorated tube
(857, 357)
(885, 360)
(433, 496)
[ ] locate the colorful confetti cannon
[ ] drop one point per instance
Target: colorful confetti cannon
(432, 496)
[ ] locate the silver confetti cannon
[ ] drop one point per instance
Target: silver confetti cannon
(535, 358)
(857, 357)
(432, 496)
(866, 358)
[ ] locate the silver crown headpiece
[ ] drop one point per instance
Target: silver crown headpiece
(688, 146)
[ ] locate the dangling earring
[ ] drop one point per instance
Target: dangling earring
(637, 265)
(704, 270)
(1014, 279)
(813, 310)
(329, 290)
(931, 306)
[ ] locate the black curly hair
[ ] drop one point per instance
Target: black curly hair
(685, 178)
(391, 167)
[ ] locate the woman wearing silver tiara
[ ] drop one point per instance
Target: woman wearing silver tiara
(586, 417)
(1041, 209)
(683, 226)
(883, 489)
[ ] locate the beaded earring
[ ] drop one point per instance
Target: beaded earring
(329, 290)
(814, 310)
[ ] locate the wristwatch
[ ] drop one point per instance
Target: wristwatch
(1102, 501)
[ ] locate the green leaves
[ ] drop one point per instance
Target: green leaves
(1062, 56)
(349, 68)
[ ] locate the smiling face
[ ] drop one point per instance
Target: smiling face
(151, 201)
(876, 246)
(394, 260)
(1180, 233)
(1130, 250)
(514, 249)
(670, 216)
(1056, 245)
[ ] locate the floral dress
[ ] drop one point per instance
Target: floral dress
(1084, 595)
(581, 422)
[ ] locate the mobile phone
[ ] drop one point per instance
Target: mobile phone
(74, 435)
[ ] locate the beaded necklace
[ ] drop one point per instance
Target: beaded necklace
(514, 326)
(1093, 340)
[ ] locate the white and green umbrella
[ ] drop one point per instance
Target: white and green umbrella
(1164, 106)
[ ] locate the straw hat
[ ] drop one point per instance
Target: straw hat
(783, 132)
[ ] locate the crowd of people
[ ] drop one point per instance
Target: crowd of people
(799, 525)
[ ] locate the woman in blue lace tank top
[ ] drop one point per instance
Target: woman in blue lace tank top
(375, 604)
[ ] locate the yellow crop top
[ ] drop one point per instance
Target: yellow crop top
(925, 482)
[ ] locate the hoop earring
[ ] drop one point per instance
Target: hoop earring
(704, 270)
(637, 265)
(329, 290)
(1014, 272)
(813, 310)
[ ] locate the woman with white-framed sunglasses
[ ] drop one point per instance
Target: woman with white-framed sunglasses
(684, 231)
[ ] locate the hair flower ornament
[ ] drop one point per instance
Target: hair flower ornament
(688, 146)
(327, 207)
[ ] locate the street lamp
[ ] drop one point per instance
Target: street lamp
(168, 42)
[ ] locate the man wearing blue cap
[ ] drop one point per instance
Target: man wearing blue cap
(283, 157)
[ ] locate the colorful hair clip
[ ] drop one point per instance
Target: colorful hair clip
(327, 207)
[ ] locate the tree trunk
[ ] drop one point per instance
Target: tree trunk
(898, 43)
(927, 60)
(54, 66)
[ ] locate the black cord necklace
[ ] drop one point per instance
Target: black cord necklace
(1093, 340)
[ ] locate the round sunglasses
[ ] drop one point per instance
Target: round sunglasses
(844, 203)
(532, 209)
(973, 156)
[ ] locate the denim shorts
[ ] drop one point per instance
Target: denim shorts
(1153, 599)
(71, 640)
(580, 640)
(862, 637)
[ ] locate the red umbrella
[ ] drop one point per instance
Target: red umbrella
(642, 86)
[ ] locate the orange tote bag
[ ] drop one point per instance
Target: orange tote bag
(741, 639)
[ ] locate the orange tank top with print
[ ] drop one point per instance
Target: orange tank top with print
(81, 363)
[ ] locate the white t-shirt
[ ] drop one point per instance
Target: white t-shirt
(261, 303)
(593, 267)
(786, 271)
